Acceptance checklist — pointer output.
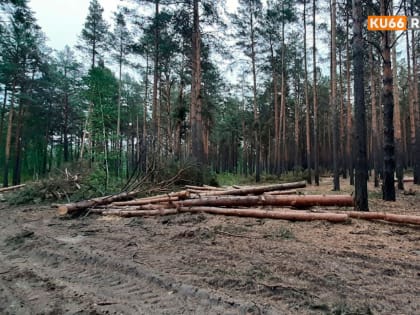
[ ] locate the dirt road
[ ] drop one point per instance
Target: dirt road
(203, 264)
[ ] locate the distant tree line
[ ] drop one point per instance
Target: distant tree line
(149, 90)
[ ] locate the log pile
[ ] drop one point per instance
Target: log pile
(250, 201)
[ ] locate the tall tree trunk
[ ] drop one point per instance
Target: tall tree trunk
(342, 138)
(334, 95)
(155, 105)
(307, 105)
(9, 139)
(315, 97)
(3, 113)
(276, 110)
(105, 144)
(283, 95)
(416, 113)
(118, 136)
(411, 100)
(388, 188)
(374, 129)
(18, 144)
(297, 125)
(397, 121)
(66, 120)
(66, 128)
(255, 106)
(361, 195)
(196, 101)
(142, 150)
(349, 112)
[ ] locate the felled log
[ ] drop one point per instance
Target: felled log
(256, 190)
(299, 201)
(72, 208)
(366, 215)
(205, 187)
(10, 188)
(154, 199)
(389, 217)
(138, 213)
(145, 201)
(281, 192)
(101, 209)
(258, 213)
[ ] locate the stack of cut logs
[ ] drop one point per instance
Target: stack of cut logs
(269, 201)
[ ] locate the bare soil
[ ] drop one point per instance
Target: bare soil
(204, 264)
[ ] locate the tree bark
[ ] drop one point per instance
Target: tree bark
(416, 155)
(196, 101)
(374, 129)
(399, 157)
(256, 189)
(315, 97)
(3, 113)
(336, 179)
(307, 105)
(349, 112)
(255, 106)
(361, 194)
(74, 208)
(8, 139)
(394, 218)
(298, 201)
(388, 188)
(155, 110)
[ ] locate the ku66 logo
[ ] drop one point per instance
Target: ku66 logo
(387, 23)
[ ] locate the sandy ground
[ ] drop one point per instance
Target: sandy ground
(204, 264)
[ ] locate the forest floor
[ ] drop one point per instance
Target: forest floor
(206, 264)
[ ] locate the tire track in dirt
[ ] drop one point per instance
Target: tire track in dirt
(100, 281)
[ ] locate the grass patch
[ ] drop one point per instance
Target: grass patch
(281, 233)
(229, 179)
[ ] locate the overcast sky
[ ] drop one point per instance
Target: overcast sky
(62, 20)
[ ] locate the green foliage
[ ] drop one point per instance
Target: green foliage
(95, 32)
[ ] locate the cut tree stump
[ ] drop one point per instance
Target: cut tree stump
(270, 214)
(298, 201)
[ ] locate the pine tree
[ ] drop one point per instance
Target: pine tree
(245, 21)
(361, 198)
(95, 33)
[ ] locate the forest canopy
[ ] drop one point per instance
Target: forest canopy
(270, 88)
